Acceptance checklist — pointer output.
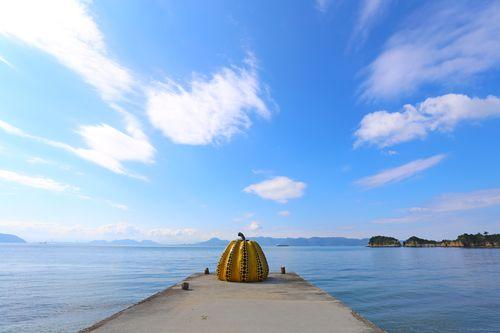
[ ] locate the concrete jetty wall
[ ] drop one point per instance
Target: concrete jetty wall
(282, 303)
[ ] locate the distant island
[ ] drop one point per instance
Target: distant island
(383, 241)
(484, 240)
(7, 238)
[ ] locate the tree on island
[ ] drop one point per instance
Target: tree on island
(415, 241)
(479, 240)
(384, 241)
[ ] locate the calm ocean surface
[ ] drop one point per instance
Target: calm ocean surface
(63, 288)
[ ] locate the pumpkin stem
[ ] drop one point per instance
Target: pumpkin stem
(240, 234)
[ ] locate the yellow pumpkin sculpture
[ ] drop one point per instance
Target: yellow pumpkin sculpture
(242, 261)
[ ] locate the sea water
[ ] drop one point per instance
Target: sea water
(64, 288)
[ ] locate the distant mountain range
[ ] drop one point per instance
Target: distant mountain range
(7, 238)
(313, 241)
(264, 241)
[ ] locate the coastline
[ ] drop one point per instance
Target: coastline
(484, 240)
(436, 246)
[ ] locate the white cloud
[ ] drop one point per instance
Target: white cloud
(284, 213)
(400, 173)
(9, 129)
(109, 147)
(279, 189)
(40, 231)
(209, 109)
(448, 204)
(35, 181)
(254, 226)
(118, 205)
(162, 233)
(204, 111)
(106, 146)
(436, 114)
(446, 43)
(111, 230)
(66, 30)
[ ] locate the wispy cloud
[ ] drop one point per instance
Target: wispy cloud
(280, 189)
(322, 5)
(245, 216)
(455, 202)
(208, 110)
(447, 204)
(66, 30)
(39, 182)
(109, 147)
(389, 152)
(48, 184)
(6, 62)
(106, 146)
(436, 114)
(42, 161)
(284, 213)
(346, 168)
(370, 11)
(445, 43)
(38, 160)
(118, 205)
(400, 173)
(262, 171)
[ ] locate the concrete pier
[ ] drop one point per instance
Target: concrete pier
(282, 303)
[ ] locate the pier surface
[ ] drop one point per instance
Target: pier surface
(282, 303)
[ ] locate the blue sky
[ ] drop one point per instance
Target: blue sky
(182, 120)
